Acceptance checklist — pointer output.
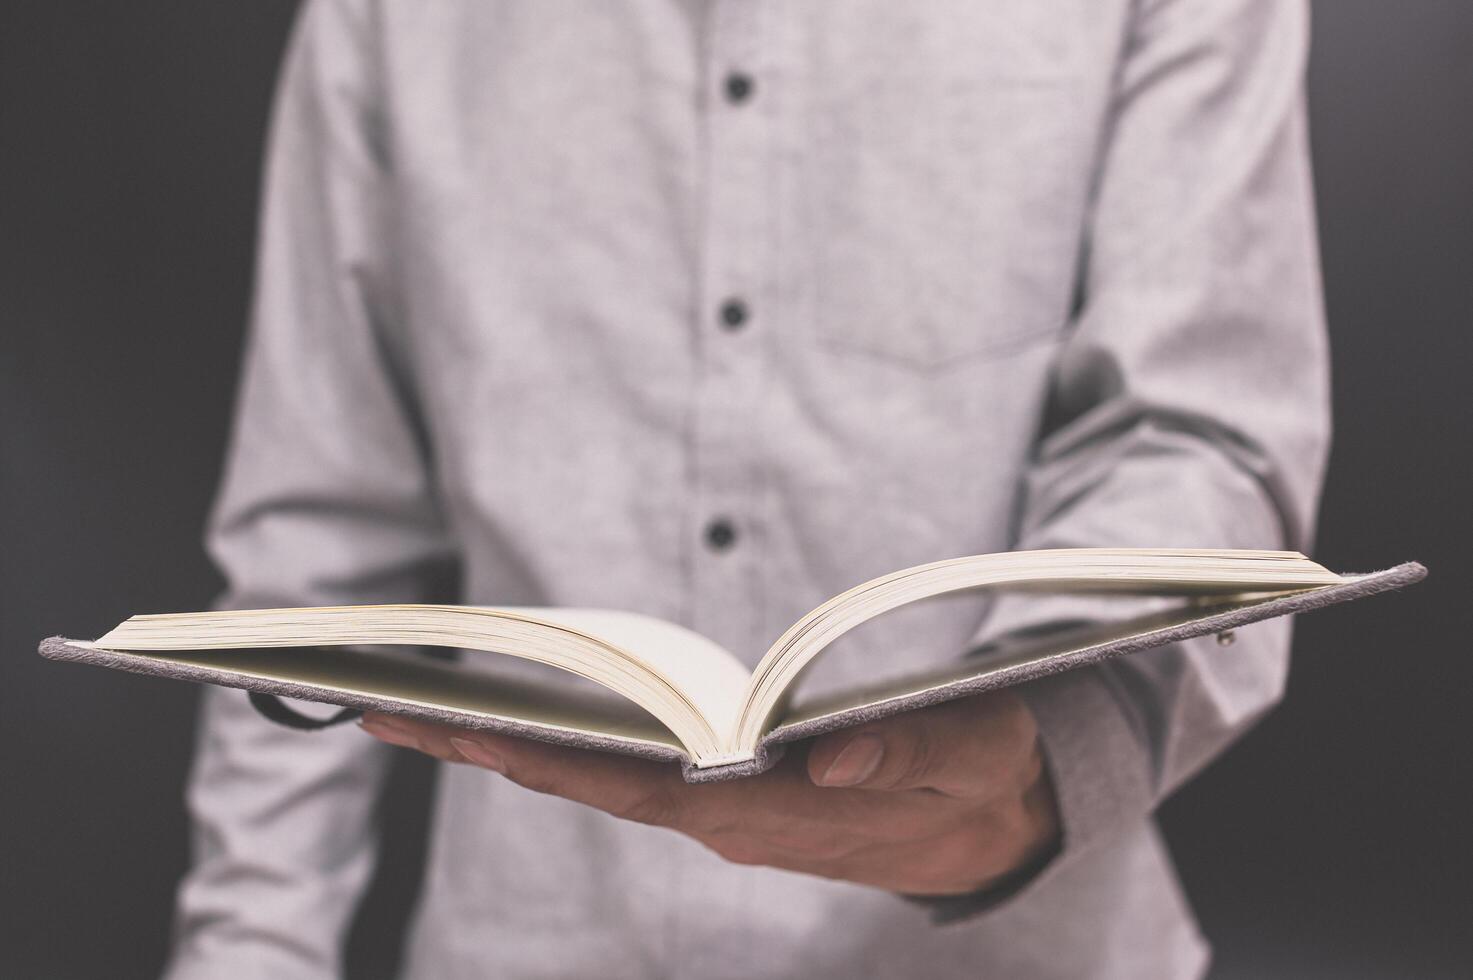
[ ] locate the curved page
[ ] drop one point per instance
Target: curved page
(1153, 571)
(709, 676)
(562, 644)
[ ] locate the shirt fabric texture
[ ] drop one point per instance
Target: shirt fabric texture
(1009, 275)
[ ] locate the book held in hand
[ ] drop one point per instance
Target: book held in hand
(683, 697)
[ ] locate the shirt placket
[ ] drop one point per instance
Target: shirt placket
(727, 532)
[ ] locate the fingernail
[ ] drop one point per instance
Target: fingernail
(481, 755)
(856, 763)
(392, 734)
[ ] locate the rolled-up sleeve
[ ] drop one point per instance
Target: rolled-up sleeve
(1190, 401)
(326, 499)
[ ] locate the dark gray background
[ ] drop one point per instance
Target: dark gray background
(1333, 842)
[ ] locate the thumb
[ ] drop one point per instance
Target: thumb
(966, 747)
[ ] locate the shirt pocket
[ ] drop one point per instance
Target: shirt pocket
(947, 212)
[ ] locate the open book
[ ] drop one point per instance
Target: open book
(683, 696)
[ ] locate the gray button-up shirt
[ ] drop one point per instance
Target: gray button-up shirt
(1011, 274)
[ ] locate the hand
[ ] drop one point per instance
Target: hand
(941, 801)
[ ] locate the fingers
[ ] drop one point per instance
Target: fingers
(634, 789)
(923, 835)
(782, 805)
(430, 739)
(934, 764)
(970, 748)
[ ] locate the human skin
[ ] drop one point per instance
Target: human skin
(945, 800)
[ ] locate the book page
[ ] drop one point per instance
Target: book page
(707, 673)
(547, 701)
(690, 684)
(1004, 657)
(1200, 572)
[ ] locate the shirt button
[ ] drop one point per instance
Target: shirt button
(733, 314)
(720, 535)
(739, 86)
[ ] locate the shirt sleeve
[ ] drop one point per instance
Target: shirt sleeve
(1190, 405)
(326, 499)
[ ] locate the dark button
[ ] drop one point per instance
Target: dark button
(720, 535)
(739, 86)
(733, 314)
